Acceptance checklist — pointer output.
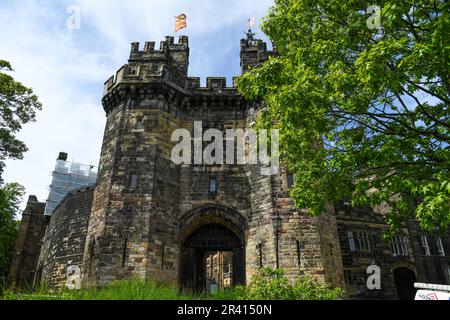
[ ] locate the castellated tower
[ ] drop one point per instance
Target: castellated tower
(157, 220)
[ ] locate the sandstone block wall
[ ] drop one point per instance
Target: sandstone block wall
(31, 231)
(64, 239)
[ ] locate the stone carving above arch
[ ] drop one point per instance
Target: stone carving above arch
(212, 214)
(405, 265)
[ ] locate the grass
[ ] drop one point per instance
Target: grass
(120, 290)
(269, 284)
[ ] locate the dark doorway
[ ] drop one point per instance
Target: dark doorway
(404, 283)
(212, 258)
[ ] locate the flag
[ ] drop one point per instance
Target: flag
(251, 22)
(180, 22)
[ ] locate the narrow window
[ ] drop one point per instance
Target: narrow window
(299, 252)
(351, 241)
(139, 124)
(440, 247)
(260, 252)
(163, 249)
(290, 180)
(348, 276)
(124, 253)
(133, 182)
(213, 185)
(424, 244)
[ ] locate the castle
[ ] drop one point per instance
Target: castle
(150, 218)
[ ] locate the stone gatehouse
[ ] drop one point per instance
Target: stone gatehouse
(151, 218)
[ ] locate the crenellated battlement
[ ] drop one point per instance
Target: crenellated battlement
(212, 83)
(192, 84)
(164, 47)
(168, 67)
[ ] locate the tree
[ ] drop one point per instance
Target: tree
(18, 106)
(363, 111)
(10, 198)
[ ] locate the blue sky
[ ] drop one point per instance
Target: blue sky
(67, 68)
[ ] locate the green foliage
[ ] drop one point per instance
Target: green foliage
(119, 290)
(18, 106)
(130, 290)
(363, 113)
(268, 285)
(272, 284)
(10, 197)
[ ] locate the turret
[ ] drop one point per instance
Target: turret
(169, 63)
(171, 54)
(253, 52)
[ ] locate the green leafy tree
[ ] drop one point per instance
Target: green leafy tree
(10, 197)
(362, 106)
(18, 106)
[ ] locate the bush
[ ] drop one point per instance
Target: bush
(272, 284)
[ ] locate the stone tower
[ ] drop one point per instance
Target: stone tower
(157, 220)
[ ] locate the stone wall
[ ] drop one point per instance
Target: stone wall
(427, 268)
(32, 227)
(64, 240)
(430, 267)
(144, 207)
(142, 197)
(307, 245)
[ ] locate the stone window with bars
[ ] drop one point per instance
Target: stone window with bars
(139, 125)
(133, 182)
(424, 245)
(447, 273)
(440, 247)
(359, 241)
(213, 185)
(399, 245)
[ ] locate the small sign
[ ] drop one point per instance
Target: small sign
(432, 295)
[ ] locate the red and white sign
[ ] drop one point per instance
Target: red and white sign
(432, 295)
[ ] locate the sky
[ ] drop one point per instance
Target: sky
(67, 67)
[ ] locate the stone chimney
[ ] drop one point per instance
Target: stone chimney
(63, 156)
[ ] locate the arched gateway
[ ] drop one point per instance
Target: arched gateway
(405, 278)
(212, 254)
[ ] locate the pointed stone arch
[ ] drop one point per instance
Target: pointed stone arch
(405, 276)
(210, 228)
(212, 214)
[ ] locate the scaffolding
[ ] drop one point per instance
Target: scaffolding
(68, 177)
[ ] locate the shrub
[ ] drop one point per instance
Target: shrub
(272, 284)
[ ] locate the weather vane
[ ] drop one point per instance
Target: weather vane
(249, 33)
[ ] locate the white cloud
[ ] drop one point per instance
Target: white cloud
(67, 69)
